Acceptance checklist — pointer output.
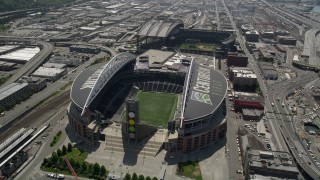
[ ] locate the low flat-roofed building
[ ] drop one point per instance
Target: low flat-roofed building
(235, 70)
(252, 114)
(7, 66)
(237, 60)
(286, 40)
(252, 36)
(247, 100)
(35, 84)
(54, 65)
(70, 61)
(13, 93)
(157, 56)
(268, 71)
(244, 81)
(50, 74)
(276, 164)
(84, 49)
(20, 56)
(267, 34)
(265, 54)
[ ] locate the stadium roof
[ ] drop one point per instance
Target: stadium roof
(205, 90)
(88, 83)
(159, 28)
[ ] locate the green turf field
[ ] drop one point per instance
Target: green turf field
(156, 108)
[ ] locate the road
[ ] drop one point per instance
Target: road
(282, 90)
(270, 96)
(305, 20)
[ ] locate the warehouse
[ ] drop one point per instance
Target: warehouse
(20, 56)
(50, 74)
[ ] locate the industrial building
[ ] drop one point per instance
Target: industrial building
(268, 71)
(244, 80)
(84, 49)
(286, 40)
(252, 36)
(20, 56)
(8, 48)
(267, 34)
(269, 164)
(248, 101)
(54, 65)
(7, 66)
(50, 74)
(237, 60)
(35, 84)
(265, 54)
(13, 93)
(70, 61)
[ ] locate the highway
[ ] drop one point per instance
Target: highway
(282, 127)
(305, 20)
(282, 90)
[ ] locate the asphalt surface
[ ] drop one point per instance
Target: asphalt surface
(305, 20)
(284, 135)
(284, 120)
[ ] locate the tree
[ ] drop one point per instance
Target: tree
(45, 162)
(77, 165)
(148, 178)
(90, 167)
(154, 178)
(134, 176)
(127, 177)
(59, 152)
(96, 169)
(69, 147)
(103, 171)
(84, 166)
(54, 157)
(72, 162)
(64, 150)
(141, 177)
(61, 161)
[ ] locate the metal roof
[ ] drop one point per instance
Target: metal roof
(159, 28)
(113, 66)
(204, 92)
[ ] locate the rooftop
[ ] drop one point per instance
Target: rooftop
(45, 71)
(23, 54)
(157, 55)
(276, 160)
(206, 91)
(11, 89)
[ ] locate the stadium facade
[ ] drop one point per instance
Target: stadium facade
(105, 95)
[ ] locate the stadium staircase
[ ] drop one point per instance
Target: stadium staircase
(116, 143)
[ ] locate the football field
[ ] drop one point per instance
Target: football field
(156, 108)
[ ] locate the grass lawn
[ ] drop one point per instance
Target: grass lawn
(191, 170)
(77, 155)
(156, 108)
(56, 139)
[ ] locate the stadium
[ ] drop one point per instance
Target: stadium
(186, 103)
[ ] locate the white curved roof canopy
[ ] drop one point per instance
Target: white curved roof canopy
(113, 66)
